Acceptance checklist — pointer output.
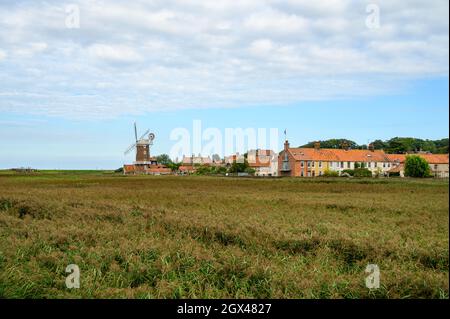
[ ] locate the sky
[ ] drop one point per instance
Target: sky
(75, 75)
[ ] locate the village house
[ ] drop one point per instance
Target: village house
(264, 162)
(235, 158)
(310, 162)
(189, 164)
(196, 160)
(439, 164)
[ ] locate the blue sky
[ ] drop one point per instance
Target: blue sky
(69, 94)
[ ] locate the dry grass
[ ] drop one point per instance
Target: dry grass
(205, 237)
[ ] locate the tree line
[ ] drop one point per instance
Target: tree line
(396, 145)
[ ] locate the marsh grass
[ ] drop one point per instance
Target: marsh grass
(206, 237)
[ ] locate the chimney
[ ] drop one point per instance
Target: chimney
(317, 145)
(286, 145)
(345, 146)
(371, 147)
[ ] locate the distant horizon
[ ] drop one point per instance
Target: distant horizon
(112, 168)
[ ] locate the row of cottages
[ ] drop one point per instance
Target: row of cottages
(189, 163)
(439, 164)
(310, 162)
(264, 162)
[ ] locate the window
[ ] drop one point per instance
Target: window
(313, 164)
(376, 164)
(348, 164)
(368, 164)
(309, 164)
(320, 173)
(384, 164)
(435, 166)
(342, 164)
(320, 163)
(302, 164)
(301, 173)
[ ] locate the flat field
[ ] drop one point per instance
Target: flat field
(217, 237)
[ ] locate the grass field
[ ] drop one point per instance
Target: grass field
(207, 237)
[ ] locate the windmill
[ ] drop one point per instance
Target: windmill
(142, 146)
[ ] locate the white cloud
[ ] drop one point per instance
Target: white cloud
(130, 58)
(2, 55)
(114, 53)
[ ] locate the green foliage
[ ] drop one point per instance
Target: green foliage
(164, 159)
(203, 170)
(350, 172)
(210, 170)
(174, 166)
(220, 170)
(394, 145)
(333, 143)
(239, 167)
(250, 171)
(330, 173)
(416, 166)
(362, 172)
(360, 165)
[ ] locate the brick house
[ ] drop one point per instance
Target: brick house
(311, 162)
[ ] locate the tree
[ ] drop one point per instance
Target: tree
(174, 166)
(394, 145)
(416, 166)
(164, 159)
(334, 143)
(238, 167)
(379, 144)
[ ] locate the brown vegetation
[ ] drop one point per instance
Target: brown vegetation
(209, 237)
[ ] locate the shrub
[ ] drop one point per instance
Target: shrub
(221, 170)
(362, 172)
(416, 166)
(204, 170)
(330, 173)
(349, 172)
(250, 171)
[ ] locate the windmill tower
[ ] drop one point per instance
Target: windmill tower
(142, 146)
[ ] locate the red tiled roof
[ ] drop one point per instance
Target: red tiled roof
(186, 168)
(430, 158)
(128, 168)
(435, 158)
(396, 157)
(338, 155)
